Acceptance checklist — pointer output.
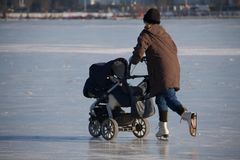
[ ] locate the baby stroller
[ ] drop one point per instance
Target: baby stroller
(111, 78)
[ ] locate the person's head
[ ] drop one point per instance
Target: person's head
(152, 16)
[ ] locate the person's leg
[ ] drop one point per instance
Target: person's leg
(176, 106)
(172, 102)
(162, 107)
(163, 117)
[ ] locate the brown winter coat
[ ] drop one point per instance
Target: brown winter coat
(162, 61)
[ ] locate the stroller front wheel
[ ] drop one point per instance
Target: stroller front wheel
(94, 128)
(109, 129)
(141, 127)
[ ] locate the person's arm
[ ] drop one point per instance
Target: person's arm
(141, 47)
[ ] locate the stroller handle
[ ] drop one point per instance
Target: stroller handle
(144, 59)
(137, 76)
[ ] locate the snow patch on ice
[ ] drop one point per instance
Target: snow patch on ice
(100, 49)
(62, 48)
(209, 51)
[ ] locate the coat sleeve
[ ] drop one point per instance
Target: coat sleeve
(141, 47)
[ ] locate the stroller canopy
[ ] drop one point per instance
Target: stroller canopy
(98, 81)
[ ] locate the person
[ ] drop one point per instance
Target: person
(163, 70)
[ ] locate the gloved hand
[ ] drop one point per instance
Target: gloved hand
(143, 59)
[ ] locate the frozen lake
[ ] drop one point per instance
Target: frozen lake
(43, 67)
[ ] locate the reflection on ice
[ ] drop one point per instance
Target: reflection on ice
(84, 147)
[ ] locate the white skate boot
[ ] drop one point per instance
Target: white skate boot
(191, 118)
(163, 131)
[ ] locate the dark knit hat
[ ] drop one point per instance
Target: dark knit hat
(152, 16)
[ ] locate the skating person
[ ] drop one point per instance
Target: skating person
(163, 70)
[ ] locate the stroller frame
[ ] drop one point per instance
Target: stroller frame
(106, 123)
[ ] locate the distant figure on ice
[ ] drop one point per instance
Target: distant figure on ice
(163, 70)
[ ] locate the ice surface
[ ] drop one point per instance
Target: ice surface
(43, 67)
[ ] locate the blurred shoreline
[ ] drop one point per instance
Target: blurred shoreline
(110, 15)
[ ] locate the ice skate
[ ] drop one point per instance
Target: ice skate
(163, 131)
(191, 118)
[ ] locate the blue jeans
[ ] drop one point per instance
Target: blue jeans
(169, 99)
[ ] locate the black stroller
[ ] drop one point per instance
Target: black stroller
(111, 78)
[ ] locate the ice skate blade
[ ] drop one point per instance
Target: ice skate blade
(163, 138)
(193, 126)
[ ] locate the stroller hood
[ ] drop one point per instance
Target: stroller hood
(98, 82)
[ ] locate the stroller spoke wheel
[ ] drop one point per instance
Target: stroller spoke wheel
(94, 128)
(141, 127)
(109, 129)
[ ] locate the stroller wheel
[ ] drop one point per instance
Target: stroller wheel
(109, 129)
(141, 127)
(94, 128)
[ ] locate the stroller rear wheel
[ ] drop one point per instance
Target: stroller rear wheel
(109, 129)
(141, 127)
(94, 128)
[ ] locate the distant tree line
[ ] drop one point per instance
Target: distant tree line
(109, 6)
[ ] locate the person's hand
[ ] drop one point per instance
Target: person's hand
(143, 59)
